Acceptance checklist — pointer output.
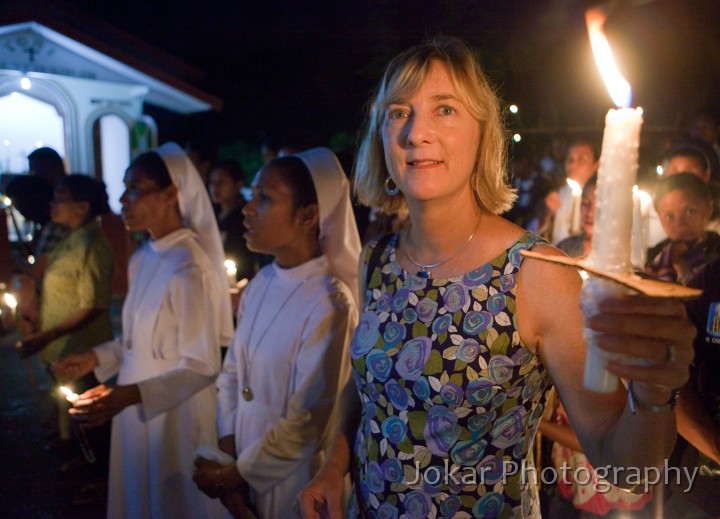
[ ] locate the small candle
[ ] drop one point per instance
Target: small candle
(576, 203)
(231, 271)
(612, 230)
(640, 227)
(70, 395)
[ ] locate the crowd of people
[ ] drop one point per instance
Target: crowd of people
(352, 375)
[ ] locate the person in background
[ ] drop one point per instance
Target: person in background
(227, 178)
(580, 244)
(525, 180)
(705, 126)
(31, 195)
(280, 377)
(74, 307)
(581, 163)
(686, 158)
(202, 156)
(457, 344)
(175, 318)
(691, 256)
(541, 217)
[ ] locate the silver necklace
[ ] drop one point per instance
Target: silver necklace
(247, 392)
(424, 271)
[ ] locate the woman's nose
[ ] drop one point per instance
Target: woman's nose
(417, 130)
(249, 207)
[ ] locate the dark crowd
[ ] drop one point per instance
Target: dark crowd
(356, 332)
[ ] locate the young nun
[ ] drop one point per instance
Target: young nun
(175, 318)
(296, 317)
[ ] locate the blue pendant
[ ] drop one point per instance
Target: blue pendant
(423, 274)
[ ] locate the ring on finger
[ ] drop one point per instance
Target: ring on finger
(670, 354)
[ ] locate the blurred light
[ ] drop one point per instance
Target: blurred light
(659, 170)
(7, 201)
(574, 186)
(31, 259)
(517, 137)
(513, 109)
(28, 237)
(38, 144)
(584, 275)
(10, 300)
(6, 142)
(25, 83)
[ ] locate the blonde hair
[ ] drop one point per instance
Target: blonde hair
(404, 74)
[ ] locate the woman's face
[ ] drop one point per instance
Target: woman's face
(272, 224)
(144, 203)
(431, 140)
(223, 189)
(65, 210)
(683, 217)
(580, 164)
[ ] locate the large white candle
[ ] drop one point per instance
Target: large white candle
(611, 244)
(614, 191)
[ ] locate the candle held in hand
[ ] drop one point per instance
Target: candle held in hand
(70, 395)
(612, 229)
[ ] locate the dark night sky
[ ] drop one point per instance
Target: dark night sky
(286, 66)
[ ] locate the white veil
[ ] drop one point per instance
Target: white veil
(197, 214)
(339, 238)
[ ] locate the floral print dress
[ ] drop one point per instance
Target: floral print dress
(451, 397)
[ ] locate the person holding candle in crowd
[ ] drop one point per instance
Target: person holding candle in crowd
(581, 163)
(280, 377)
(175, 318)
(227, 178)
(75, 303)
(580, 244)
(691, 256)
(460, 336)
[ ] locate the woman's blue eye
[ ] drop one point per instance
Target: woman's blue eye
(396, 114)
(447, 110)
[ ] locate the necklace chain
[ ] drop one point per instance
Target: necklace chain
(424, 271)
(247, 391)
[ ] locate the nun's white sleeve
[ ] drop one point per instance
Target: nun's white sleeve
(296, 437)
(109, 356)
(227, 381)
(190, 313)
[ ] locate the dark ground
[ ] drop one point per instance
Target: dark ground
(33, 486)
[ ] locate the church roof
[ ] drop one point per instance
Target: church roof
(42, 38)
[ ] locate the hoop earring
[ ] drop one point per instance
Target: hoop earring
(390, 187)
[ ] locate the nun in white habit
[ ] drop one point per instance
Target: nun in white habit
(175, 318)
(295, 319)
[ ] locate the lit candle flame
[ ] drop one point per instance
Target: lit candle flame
(70, 395)
(617, 85)
(230, 267)
(10, 300)
(574, 186)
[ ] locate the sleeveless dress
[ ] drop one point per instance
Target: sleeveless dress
(451, 397)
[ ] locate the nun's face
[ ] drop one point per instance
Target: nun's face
(273, 225)
(144, 203)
